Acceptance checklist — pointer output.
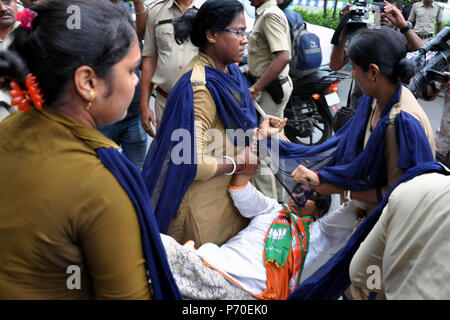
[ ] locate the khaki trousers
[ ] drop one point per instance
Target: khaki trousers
(160, 102)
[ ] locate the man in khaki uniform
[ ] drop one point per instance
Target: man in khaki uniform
(269, 53)
(424, 14)
(8, 23)
(163, 58)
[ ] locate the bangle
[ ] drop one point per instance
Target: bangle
(318, 177)
(143, 11)
(245, 166)
(234, 166)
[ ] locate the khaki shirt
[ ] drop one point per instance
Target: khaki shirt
(160, 42)
(270, 34)
(207, 212)
(407, 103)
(425, 17)
(409, 244)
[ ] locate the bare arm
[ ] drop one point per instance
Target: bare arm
(368, 196)
(141, 18)
(396, 17)
(338, 58)
(147, 116)
(279, 62)
(304, 175)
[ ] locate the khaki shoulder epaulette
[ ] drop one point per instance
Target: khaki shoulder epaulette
(198, 76)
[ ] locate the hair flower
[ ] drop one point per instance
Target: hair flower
(26, 18)
(24, 98)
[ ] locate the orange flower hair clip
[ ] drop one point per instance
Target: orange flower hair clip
(24, 98)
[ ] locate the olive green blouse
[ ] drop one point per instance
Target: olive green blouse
(60, 210)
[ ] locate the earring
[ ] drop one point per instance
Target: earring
(92, 98)
(373, 79)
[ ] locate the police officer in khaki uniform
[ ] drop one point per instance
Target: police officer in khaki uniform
(424, 14)
(163, 58)
(269, 53)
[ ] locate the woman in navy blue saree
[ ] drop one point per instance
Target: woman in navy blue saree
(193, 155)
(389, 134)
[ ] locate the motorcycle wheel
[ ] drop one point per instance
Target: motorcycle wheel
(300, 109)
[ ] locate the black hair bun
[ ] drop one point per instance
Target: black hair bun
(404, 70)
(12, 67)
(183, 26)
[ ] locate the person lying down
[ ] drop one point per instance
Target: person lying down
(265, 260)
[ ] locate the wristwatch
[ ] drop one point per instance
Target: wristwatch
(407, 28)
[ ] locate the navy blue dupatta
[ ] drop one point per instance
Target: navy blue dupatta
(351, 166)
(162, 281)
(168, 179)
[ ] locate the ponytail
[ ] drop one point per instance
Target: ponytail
(212, 15)
(12, 68)
(52, 51)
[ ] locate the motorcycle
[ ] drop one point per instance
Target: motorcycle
(313, 103)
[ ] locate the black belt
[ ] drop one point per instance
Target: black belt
(162, 92)
(425, 35)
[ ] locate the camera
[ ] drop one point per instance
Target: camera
(363, 15)
(431, 61)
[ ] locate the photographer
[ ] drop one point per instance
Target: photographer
(390, 17)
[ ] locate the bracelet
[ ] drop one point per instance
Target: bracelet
(245, 166)
(234, 166)
(318, 177)
(143, 11)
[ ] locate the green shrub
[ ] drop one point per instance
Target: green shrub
(444, 24)
(317, 18)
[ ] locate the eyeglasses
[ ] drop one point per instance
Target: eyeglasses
(240, 34)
